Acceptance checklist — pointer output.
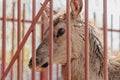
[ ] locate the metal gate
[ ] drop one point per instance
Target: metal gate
(22, 37)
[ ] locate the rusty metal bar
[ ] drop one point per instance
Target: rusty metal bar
(33, 41)
(17, 53)
(112, 32)
(86, 42)
(4, 37)
(43, 74)
(23, 33)
(68, 40)
(18, 40)
(105, 38)
(11, 19)
(13, 38)
(51, 41)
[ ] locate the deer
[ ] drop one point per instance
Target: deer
(96, 53)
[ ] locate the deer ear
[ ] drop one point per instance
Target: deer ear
(76, 7)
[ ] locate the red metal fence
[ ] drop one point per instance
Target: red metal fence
(20, 43)
(22, 38)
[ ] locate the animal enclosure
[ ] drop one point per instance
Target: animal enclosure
(23, 26)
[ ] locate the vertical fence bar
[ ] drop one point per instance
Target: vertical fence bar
(86, 42)
(112, 32)
(33, 42)
(4, 37)
(18, 39)
(23, 32)
(51, 41)
(43, 74)
(68, 40)
(105, 38)
(13, 32)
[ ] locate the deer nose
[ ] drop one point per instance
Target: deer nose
(45, 65)
(30, 62)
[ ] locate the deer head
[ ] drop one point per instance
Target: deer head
(59, 33)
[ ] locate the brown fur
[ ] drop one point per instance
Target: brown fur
(77, 49)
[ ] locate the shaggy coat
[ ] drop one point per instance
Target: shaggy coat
(77, 48)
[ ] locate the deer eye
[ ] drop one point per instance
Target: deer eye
(60, 32)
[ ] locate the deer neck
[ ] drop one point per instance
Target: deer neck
(77, 62)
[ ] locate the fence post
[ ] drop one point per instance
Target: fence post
(33, 41)
(68, 40)
(19, 40)
(86, 42)
(51, 41)
(4, 38)
(105, 39)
